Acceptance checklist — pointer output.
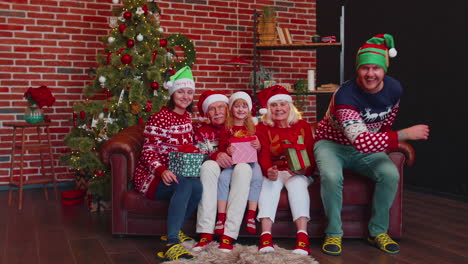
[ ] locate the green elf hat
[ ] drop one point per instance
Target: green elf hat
(183, 78)
(376, 51)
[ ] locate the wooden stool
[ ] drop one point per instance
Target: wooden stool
(24, 146)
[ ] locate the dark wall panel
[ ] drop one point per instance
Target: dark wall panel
(431, 39)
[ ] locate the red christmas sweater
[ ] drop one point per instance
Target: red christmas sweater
(272, 153)
(206, 138)
(165, 131)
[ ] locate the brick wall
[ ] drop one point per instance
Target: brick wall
(55, 42)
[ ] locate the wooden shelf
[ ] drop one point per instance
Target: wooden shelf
(297, 46)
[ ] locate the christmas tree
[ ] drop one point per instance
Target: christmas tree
(138, 59)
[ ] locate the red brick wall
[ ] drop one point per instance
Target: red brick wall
(55, 42)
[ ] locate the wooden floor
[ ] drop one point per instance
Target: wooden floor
(46, 232)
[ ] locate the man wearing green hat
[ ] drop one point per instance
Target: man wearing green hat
(354, 134)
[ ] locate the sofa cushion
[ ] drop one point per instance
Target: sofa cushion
(134, 202)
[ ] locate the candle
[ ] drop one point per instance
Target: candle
(311, 80)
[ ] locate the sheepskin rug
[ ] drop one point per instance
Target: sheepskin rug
(243, 254)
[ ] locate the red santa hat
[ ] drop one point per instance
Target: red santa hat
(272, 94)
(208, 97)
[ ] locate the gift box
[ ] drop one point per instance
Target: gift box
(296, 153)
(186, 162)
(329, 39)
(244, 152)
(73, 197)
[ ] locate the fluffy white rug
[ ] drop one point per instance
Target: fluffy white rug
(243, 254)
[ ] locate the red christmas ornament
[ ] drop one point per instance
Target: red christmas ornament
(163, 43)
(130, 43)
(140, 120)
(82, 114)
(171, 71)
(128, 88)
(122, 28)
(98, 173)
(149, 106)
(154, 55)
(126, 59)
(106, 109)
(108, 57)
(154, 86)
(127, 15)
(145, 9)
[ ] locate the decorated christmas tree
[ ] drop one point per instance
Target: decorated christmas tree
(138, 59)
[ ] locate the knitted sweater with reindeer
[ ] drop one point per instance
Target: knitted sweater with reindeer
(361, 119)
(165, 131)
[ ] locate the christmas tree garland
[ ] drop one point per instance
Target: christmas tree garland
(187, 47)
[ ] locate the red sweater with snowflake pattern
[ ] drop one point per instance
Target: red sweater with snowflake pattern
(165, 131)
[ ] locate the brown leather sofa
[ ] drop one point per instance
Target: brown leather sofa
(133, 214)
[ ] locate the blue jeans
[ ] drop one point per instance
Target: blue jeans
(331, 158)
(255, 184)
(184, 198)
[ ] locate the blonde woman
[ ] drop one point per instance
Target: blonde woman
(282, 121)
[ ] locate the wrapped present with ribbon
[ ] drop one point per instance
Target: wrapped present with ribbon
(296, 153)
(186, 161)
(244, 152)
(329, 39)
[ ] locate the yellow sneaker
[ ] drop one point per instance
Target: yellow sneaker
(332, 246)
(182, 237)
(385, 243)
(175, 252)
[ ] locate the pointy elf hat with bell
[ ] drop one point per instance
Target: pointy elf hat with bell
(376, 51)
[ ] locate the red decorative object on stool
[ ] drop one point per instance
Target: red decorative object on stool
(73, 197)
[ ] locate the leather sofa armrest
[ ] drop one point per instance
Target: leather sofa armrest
(407, 150)
(128, 142)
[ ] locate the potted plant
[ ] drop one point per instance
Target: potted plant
(300, 88)
(37, 98)
(316, 38)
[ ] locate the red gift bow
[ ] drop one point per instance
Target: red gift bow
(188, 149)
(297, 146)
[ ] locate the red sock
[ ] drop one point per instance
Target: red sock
(266, 243)
(250, 222)
(225, 243)
(219, 228)
(205, 239)
(302, 244)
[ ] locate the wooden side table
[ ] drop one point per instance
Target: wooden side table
(24, 146)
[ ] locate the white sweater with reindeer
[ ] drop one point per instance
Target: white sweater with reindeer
(164, 131)
(361, 119)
